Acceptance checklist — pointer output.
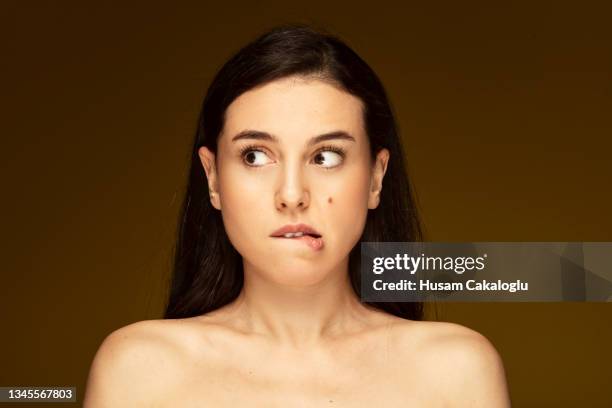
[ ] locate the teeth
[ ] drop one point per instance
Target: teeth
(293, 234)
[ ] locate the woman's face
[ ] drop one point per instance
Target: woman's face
(271, 170)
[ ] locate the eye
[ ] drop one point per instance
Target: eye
(329, 156)
(253, 156)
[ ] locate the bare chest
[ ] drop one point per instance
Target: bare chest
(279, 380)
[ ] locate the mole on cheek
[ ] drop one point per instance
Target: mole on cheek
(329, 200)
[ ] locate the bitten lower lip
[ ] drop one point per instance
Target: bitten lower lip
(315, 243)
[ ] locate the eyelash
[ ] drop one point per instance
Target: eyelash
(328, 148)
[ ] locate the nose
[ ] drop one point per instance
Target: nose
(292, 193)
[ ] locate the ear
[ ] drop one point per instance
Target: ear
(208, 162)
(378, 173)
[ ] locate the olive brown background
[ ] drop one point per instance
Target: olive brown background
(504, 109)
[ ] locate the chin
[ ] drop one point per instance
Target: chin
(296, 276)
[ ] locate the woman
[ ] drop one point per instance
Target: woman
(296, 161)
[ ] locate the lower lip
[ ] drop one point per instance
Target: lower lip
(314, 243)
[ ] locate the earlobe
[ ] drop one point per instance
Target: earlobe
(207, 158)
(374, 200)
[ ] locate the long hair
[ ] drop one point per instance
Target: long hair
(208, 271)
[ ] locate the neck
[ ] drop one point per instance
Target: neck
(298, 315)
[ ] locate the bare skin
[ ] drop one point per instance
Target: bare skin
(207, 361)
(297, 335)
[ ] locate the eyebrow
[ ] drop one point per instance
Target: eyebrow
(259, 135)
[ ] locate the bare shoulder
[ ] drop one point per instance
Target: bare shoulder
(461, 364)
(135, 365)
(443, 337)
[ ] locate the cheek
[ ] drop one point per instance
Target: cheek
(244, 203)
(347, 209)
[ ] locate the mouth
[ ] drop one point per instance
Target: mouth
(300, 233)
(316, 243)
(297, 235)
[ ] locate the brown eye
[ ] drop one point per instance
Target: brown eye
(253, 157)
(250, 157)
(328, 158)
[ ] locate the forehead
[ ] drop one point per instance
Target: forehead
(295, 109)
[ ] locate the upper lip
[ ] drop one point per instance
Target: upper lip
(306, 229)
